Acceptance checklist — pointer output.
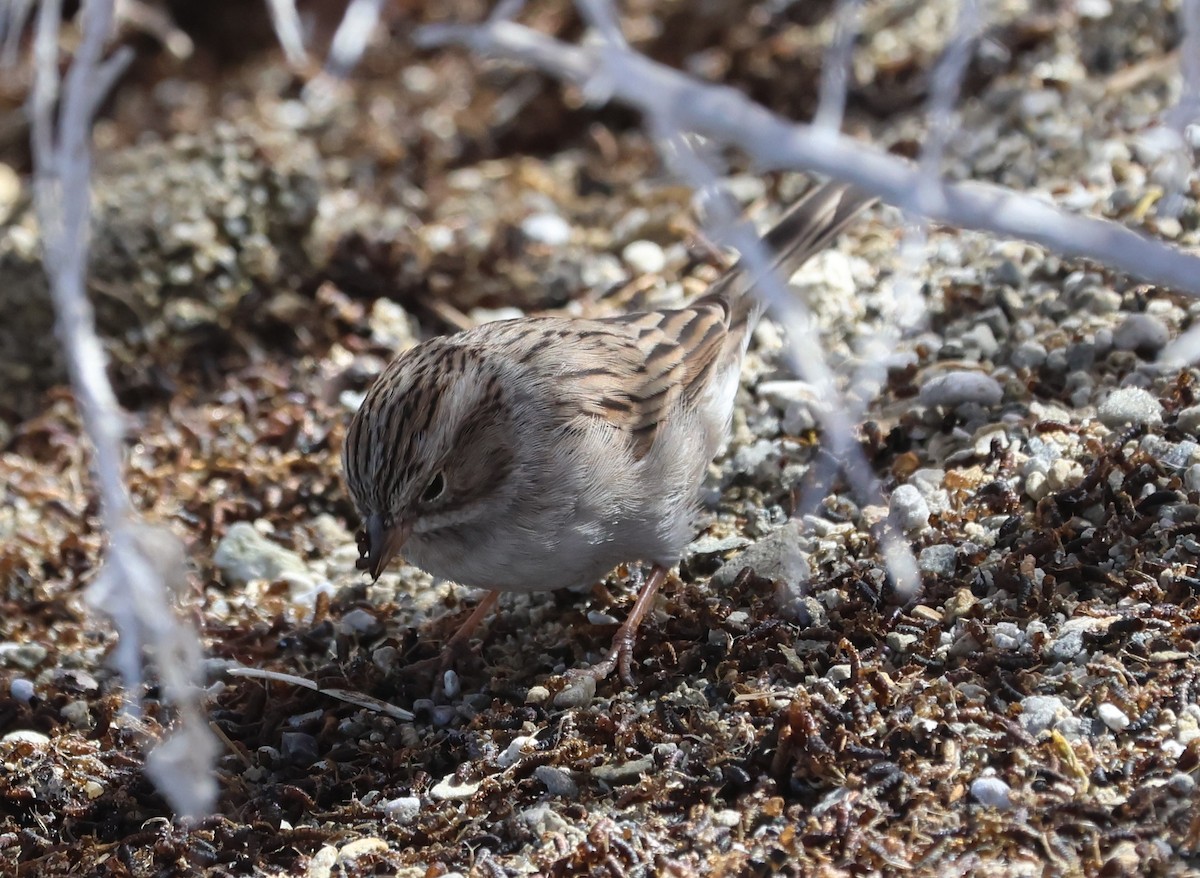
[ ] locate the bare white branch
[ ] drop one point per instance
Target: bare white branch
(835, 67)
(288, 29)
(804, 350)
(144, 565)
(353, 34)
(729, 117)
(14, 15)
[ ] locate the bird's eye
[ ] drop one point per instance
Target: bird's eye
(435, 489)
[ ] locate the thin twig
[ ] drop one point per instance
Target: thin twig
(729, 117)
(144, 566)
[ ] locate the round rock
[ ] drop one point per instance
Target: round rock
(909, 508)
(992, 791)
(1144, 334)
(1129, 407)
(644, 257)
(956, 388)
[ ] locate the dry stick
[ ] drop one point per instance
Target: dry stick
(352, 36)
(142, 561)
(288, 30)
(908, 304)
(1186, 348)
(804, 354)
(835, 67)
(804, 351)
(729, 117)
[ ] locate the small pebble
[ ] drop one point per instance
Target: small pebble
(952, 389)
(1039, 713)
(909, 509)
(623, 772)
(578, 693)
(404, 809)
(21, 689)
(644, 257)
(1130, 406)
(361, 847)
(1191, 478)
(450, 788)
(940, 560)
(78, 714)
(959, 604)
(1067, 645)
(1064, 474)
(1028, 355)
(980, 342)
(777, 556)
(1113, 717)
(547, 228)
(26, 656)
(358, 622)
(1188, 419)
(901, 642)
(781, 394)
(838, 673)
(537, 695)
(1143, 334)
(727, 817)
(244, 554)
(299, 748)
(25, 736)
(1007, 636)
(1037, 485)
(991, 791)
(516, 750)
(557, 781)
(1007, 273)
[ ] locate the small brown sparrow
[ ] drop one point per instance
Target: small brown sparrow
(541, 452)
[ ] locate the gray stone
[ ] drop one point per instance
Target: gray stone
(244, 555)
(909, 509)
(21, 689)
(777, 556)
(579, 693)
(623, 772)
(1189, 420)
(547, 228)
(299, 748)
(26, 656)
(644, 257)
(940, 560)
(1130, 406)
(991, 791)
(557, 781)
(404, 809)
(1040, 713)
(952, 389)
(1027, 355)
(1143, 334)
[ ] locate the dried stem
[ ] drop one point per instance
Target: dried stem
(727, 116)
(144, 564)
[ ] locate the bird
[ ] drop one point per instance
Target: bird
(542, 452)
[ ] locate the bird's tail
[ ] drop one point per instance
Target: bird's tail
(808, 227)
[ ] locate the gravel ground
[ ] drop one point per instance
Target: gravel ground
(1035, 709)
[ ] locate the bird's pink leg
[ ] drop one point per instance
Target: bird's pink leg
(459, 643)
(620, 654)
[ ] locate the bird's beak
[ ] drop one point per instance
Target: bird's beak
(379, 544)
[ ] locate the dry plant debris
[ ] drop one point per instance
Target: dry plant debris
(1037, 707)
